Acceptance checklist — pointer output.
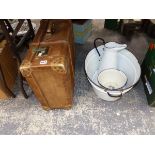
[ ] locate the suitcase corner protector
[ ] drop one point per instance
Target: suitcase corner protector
(25, 69)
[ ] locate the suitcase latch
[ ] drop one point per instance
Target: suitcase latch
(40, 51)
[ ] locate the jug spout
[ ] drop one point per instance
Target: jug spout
(113, 46)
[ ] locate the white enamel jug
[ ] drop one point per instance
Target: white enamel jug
(109, 58)
(108, 74)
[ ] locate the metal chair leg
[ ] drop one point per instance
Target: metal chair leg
(31, 28)
(21, 86)
(21, 80)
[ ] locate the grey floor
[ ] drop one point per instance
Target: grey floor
(89, 115)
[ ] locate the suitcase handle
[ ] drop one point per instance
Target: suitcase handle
(41, 31)
(53, 28)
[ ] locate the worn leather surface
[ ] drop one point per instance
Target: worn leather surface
(9, 68)
(51, 76)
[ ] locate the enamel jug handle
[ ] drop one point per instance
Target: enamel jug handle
(96, 45)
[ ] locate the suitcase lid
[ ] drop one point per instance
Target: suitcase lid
(53, 31)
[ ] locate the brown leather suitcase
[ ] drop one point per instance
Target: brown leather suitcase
(49, 65)
(8, 70)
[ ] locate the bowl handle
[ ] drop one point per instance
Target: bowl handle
(118, 94)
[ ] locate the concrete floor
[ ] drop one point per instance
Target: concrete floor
(89, 115)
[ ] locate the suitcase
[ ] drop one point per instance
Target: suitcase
(8, 70)
(49, 64)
